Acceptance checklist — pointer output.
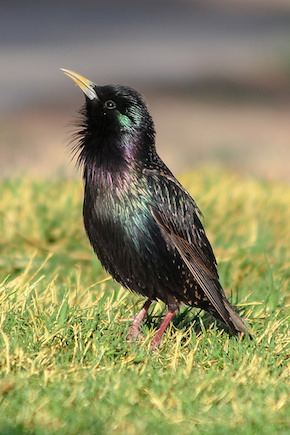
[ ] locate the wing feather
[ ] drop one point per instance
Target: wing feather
(207, 280)
(176, 214)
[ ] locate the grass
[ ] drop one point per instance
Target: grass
(65, 366)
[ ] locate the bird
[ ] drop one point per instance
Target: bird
(143, 225)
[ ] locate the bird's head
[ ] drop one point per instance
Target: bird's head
(116, 124)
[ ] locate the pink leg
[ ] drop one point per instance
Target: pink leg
(134, 330)
(157, 339)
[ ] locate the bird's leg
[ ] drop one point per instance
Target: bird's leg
(134, 331)
(167, 319)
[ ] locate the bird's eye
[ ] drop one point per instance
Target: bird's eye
(110, 104)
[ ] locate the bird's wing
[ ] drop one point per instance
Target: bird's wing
(190, 254)
(175, 212)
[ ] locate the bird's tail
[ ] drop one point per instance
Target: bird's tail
(234, 321)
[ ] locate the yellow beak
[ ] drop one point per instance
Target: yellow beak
(86, 85)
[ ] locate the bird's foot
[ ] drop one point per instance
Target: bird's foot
(134, 331)
(155, 343)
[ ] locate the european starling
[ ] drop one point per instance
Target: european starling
(142, 224)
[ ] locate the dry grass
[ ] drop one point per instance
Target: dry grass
(65, 366)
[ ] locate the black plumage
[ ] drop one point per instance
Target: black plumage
(142, 224)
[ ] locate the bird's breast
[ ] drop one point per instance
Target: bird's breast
(123, 234)
(117, 215)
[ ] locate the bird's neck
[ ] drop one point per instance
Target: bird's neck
(116, 162)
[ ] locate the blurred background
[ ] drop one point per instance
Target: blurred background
(216, 76)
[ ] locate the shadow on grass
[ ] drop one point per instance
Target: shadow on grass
(18, 429)
(190, 317)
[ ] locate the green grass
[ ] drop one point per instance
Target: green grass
(65, 365)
